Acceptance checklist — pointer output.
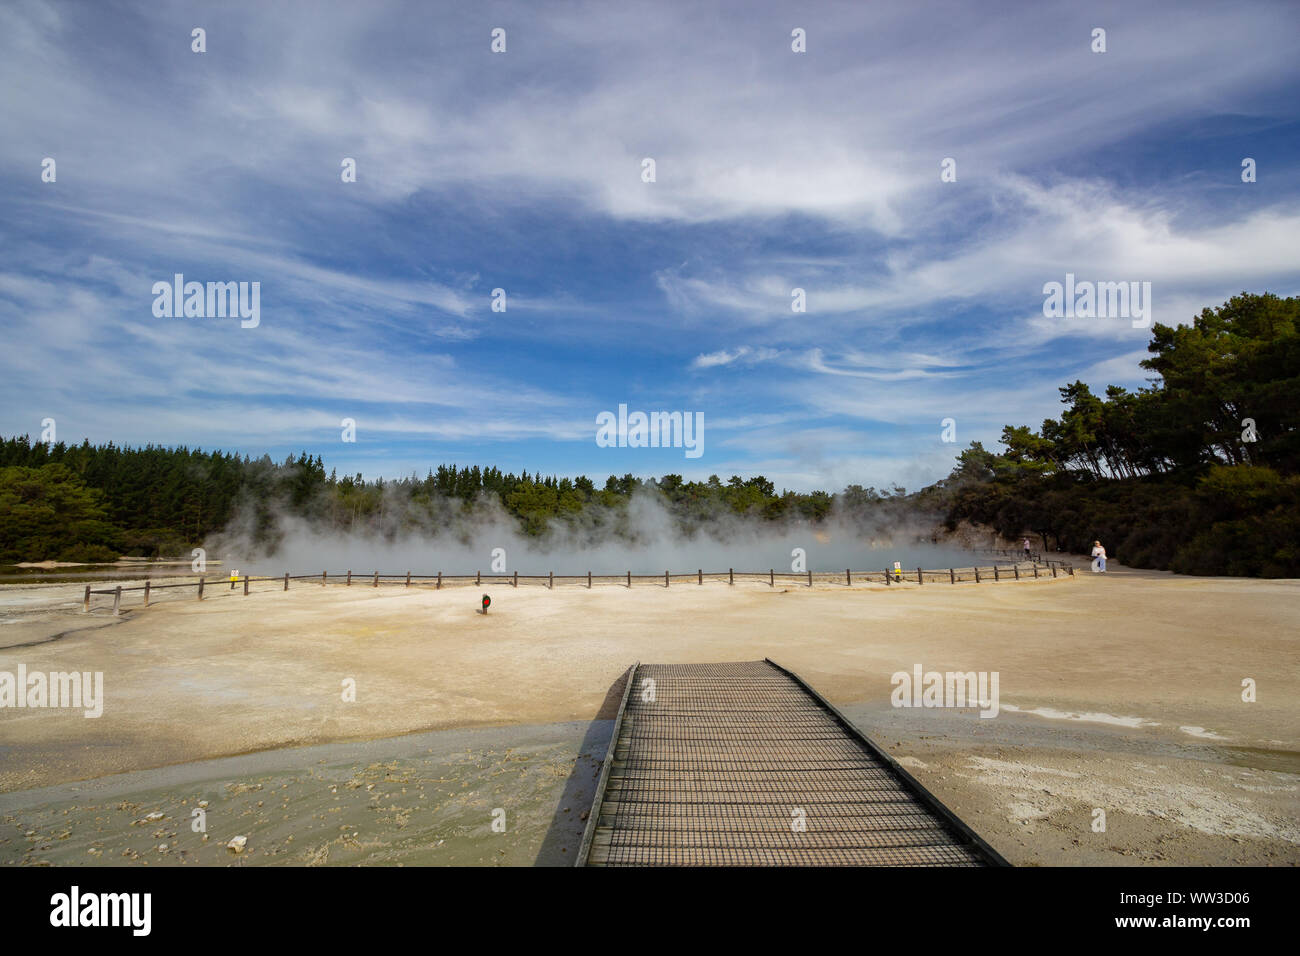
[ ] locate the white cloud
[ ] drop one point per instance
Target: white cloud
(743, 354)
(775, 171)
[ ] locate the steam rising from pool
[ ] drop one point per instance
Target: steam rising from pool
(646, 537)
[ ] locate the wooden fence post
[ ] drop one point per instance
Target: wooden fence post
(478, 577)
(550, 580)
(200, 589)
(771, 577)
(322, 578)
(245, 585)
(1053, 570)
(286, 580)
(588, 580)
(665, 579)
(376, 584)
(349, 578)
(952, 576)
(848, 577)
(629, 579)
(516, 579)
(977, 574)
(701, 573)
(1035, 570)
(887, 581)
(439, 581)
(146, 593)
(117, 600)
(995, 573)
(1016, 568)
(731, 576)
(408, 579)
(85, 602)
(810, 577)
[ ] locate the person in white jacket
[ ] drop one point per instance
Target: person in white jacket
(1098, 558)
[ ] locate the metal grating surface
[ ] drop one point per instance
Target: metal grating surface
(720, 764)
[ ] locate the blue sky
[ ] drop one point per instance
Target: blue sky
(775, 170)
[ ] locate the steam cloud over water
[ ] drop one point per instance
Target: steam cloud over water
(645, 537)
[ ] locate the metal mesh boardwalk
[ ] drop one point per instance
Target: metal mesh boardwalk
(743, 764)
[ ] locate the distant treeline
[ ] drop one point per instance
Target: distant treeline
(1197, 473)
(95, 502)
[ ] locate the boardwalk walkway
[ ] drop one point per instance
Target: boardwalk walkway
(742, 764)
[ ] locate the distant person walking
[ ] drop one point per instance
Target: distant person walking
(1026, 549)
(1098, 558)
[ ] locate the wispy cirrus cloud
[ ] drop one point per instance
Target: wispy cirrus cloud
(776, 171)
(744, 355)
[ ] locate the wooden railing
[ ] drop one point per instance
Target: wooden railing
(889, 576)
(1035, 556)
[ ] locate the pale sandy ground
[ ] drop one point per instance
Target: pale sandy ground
(1185, 771)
